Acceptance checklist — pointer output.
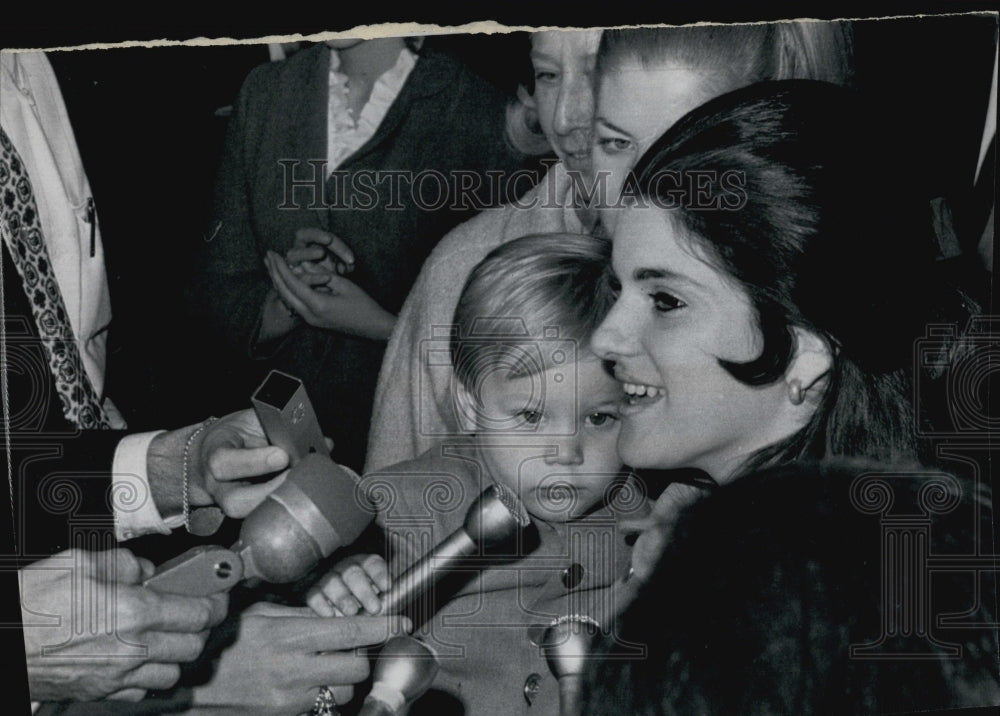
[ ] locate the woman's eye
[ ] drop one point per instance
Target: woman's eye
(545, 76)
(599, 419)
(615, 145)
(531, 417)
(664, 302)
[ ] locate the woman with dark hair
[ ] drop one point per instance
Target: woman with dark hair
(647, 79)
(762, 316)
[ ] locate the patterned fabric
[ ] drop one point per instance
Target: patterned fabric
(22, 232)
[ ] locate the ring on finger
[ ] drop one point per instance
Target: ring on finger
(325, 704)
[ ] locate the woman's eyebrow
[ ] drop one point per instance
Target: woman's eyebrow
(544, 57)
(652, 274)
(613, 127)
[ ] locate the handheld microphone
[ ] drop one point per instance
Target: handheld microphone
(494, 519)
(316, 510)
(566, 643)
(404, 670)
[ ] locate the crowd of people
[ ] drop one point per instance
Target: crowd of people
(684, 349)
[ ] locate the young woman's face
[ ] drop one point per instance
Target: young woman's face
(564, 92)
(675, 317)
(635, 105)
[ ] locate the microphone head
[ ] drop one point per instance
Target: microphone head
(406, 666)
(567, 643)
(496, 517)
(316, 510)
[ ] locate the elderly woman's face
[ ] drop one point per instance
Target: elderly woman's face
(676, 315)
(635, 106)
(564, 91)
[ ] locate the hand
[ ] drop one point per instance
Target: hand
(283, 655)
(315, 256)
(346, 308)
(319, 252)
(353, 584)
(277, 318)
(220, 460)
(227, 452)
(90, 630)
(657, 528)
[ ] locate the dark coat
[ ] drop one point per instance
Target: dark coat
(445, 118)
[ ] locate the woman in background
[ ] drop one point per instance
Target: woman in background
(414, 405)
(324, 154)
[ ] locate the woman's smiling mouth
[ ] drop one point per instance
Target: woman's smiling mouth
(639, 395)
(641, 390)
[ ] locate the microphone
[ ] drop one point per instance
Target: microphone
(494, 519)
(404, 670)
(566, 644)
(316, 510)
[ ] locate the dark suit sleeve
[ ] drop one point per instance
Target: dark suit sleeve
(62, 493)
(230, 283)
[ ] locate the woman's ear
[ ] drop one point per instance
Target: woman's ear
(807, 372)
(466, 408)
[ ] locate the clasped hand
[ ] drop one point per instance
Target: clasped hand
(310, 281)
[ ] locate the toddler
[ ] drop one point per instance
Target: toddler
(540, 415)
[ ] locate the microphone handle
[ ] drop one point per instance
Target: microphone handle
(421, 577)
(374, 707)
(569, 694)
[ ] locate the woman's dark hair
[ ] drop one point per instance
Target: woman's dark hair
(758, 608)
(802, 200)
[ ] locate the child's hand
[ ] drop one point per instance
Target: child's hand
(353, 585)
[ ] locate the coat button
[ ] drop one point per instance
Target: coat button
(532, 685)
(572, 575)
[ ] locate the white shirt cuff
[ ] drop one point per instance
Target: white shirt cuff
(132, 501)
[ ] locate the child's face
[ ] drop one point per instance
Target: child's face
(562, 457)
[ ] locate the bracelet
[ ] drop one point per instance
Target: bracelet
(187, 453)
